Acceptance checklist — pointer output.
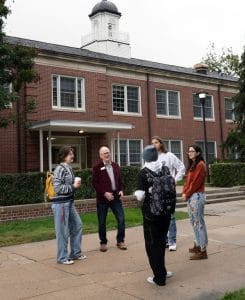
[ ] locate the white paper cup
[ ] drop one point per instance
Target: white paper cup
(78, 179)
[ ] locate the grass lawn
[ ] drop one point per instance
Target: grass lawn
(237, 295)
(19, 232)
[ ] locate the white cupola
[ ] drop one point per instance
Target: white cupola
(105, 36)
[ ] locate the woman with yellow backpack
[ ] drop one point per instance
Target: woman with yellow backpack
(67, 220)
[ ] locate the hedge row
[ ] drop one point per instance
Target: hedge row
(28, 188)
(21, 188)
(228, 174)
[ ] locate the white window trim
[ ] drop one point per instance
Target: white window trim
(10, 105)
(74, 165)
(168, 116)
(215, 146)
(127, 145)
(207, 119)
(70, 109)
(233, 114)
(181, 147)
(126, 113)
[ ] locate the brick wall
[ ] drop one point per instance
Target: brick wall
(32, 211)
(98, 101)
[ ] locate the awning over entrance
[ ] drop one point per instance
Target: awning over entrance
(75, 126)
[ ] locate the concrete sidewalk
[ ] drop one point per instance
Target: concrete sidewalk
(29, 271)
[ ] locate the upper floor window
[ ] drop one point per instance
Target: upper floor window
(175, 147)
(229, 109)
(197, 107)
(167, 103)
(68, 92)
(126, 99)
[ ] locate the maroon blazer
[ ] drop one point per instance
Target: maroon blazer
(101, 180)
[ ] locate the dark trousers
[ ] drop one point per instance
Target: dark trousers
(117, 209)
(155, 233)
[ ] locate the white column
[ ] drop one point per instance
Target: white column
(49, 150)
(41, 149)
(118, 148)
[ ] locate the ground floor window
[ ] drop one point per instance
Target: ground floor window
(212, 155)
(232, 153)
(79, 147)
(130, 152)
(174, 146)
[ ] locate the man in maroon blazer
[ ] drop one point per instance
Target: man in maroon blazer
(108, 185)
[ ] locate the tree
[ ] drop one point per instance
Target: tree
(16, 69)
(227, 62)
(235, 141)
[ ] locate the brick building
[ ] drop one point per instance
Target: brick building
(98, 94)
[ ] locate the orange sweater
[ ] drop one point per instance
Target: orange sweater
(195, 180)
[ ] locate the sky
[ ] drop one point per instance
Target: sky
(176, 32)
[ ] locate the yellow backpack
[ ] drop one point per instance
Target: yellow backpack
(49, 187)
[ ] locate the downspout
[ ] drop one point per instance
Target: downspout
(149, 108)
(25, 129)
(18, 133)
(221, 121)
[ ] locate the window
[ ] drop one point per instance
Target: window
(68, 92)
(79, 146)
(197, 107)
(167, 103)
(130, 152)
(229, 109)
(175, 147)
(232, 153)
(211, 150)
(110, 27)
(7, 88)
(126, 99)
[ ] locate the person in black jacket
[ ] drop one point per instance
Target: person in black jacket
(155, 227)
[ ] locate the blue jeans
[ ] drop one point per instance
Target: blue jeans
(172, 231)
(117, 209)
(196, 213)
(67, 224)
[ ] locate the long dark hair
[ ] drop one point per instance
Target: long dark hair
(163, 147)
(192, 164)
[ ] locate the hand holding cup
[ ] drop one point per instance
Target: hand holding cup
(77, 182)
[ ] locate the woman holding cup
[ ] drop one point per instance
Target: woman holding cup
(66, 218)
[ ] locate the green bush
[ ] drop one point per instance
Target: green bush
(28, 188)
(129, 178)
(86, 191)
(21, 188)
(228, 174)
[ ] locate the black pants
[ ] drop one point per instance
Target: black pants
(117, 209)
(155, 233)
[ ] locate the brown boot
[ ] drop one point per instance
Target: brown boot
(195, 249)
(121, 246)
(103, 248)
(202, 254)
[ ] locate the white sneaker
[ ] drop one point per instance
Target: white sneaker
(173, 247)
(67, 262)
(169, 274)
(82, 257)
(150, 280)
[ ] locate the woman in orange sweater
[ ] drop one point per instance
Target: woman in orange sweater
(193, 193)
